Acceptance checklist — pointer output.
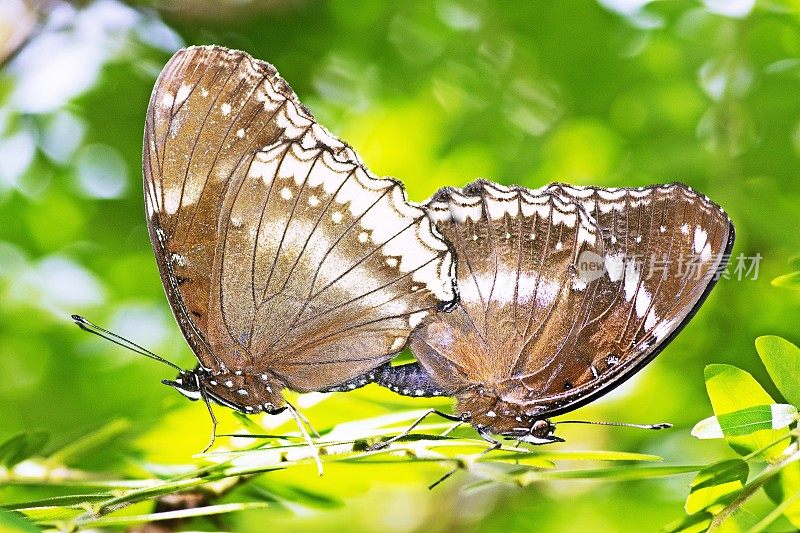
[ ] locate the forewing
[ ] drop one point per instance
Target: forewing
(276, 246)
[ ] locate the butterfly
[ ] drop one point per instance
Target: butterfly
(565, 293)
(287, 264)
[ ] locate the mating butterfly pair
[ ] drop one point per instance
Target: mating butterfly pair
(288, 265)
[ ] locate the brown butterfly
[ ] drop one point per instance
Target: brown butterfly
(287, 264)
(565, 293)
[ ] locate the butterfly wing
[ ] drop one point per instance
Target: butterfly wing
(277, 248)
(558, 301)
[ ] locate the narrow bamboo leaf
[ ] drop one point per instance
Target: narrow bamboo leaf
(61, 501)
(782, 359)
(15, 522)
(716, 482)
(21, 446)
(52, 514)
(616, 473)
(83, 445)
(590, 455)
(294, 494)
(732, 389)
(111, 521)
(746, 421)
(788, 281)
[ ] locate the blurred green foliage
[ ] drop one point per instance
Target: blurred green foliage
(436, 93)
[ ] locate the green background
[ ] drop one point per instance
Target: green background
(435, 93)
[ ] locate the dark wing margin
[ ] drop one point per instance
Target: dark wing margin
(244, 192)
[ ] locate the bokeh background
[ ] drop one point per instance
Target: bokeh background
(435, 92)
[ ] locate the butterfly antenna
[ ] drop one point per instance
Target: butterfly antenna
(663, 425)
(299, 421)
(85, 325)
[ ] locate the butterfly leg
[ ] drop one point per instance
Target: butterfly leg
(298, 419)
(418, 421)
(485, 435)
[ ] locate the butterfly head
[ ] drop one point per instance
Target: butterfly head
(490, 411)
(539, 432)
(245, 392)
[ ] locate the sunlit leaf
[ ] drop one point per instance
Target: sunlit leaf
(695, 523)
(616, 473)
(52, 514)
(788, 281)
(783, 488)
(110, 521)
(739, 521)
(782, 359)
(716, 482)
(746, 421)
(732, 389)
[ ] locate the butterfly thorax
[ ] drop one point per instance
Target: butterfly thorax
(246, 392)
(488, 412)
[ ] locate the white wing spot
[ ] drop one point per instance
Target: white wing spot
(414, 319)
(236, 222)
(179, 260)
(240, 132)
(336, 217)
(183, 93)
(363, 237)
(313, 201)
(204, 91)
(392, 262)
(286, 193)
(398, 343)
(559, 246)
(638, 239)
(662, 229)
(226, 109)
(474, 237)
(508, 235)
(167, 100)
(685, 229)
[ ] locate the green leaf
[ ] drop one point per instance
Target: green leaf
(15, 522)
(716, 482)
(616, 473)
(82, 446)
(788, 281)
(73, 499)
(783, 488)
(782, 359)
(732, 389)
(109, 521)
(695, 523)
(21, 446)
(746, 421)
(740, 521)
